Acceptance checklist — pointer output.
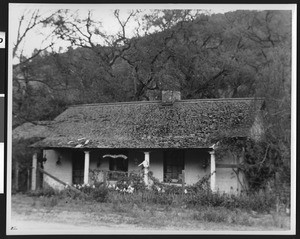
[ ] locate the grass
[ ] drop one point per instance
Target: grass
(142, 214)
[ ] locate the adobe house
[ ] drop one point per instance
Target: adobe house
(167, 137)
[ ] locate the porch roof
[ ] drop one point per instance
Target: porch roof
(145, 124)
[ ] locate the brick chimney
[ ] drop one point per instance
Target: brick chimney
(168, 97)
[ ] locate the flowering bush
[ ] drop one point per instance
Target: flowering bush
(125, 188)
(133, 182)
(132, 189)
(85, 188)
(96, 191)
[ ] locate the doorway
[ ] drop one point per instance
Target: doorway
(173, 165)
(78, 167)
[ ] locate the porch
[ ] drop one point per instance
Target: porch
(175, 166)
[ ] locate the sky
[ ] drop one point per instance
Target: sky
(104, 13)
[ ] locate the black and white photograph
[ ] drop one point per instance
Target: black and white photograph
(151, 119)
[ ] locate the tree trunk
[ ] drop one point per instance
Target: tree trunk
(16, 182)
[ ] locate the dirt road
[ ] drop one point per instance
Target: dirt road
(37, 216)
(29, 227)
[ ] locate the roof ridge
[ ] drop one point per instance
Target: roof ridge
(159, 101)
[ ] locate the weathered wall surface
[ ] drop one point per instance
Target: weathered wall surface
(194, 165)
(195, 168)
(62, 171)
(226, 179)
(157, 164)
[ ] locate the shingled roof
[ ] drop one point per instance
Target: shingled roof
(145, 124)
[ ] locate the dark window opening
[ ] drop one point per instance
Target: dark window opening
(78, 167)
(118, 164)
(173, 166)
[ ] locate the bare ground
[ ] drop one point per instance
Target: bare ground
(39, 215)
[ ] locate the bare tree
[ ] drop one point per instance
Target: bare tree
(30, 21)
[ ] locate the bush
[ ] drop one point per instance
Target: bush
(196, 195)
(261, 202)
(100, 194)
(121, 208)
(131, 189)
(163, 198)
(47, 192)
(70, 193)
(215, 216)
(133, 180)
(222, 214)
(50, 201)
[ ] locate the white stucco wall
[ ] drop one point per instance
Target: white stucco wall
(157, 164)
(194, 169)
(226, 180)
(62, 171)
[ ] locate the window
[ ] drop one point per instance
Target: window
(173, 166)
(118, 164)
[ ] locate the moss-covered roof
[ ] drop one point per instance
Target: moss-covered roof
(185, 124)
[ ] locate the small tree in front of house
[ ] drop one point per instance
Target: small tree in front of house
(262, 164)
(22, 163)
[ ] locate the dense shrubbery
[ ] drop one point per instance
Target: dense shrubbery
(134, 181)
(221, 214)
(191, 196)
(84, 192)
(47, 192)
(131, 189)
(97, 192)
(261, 202)
(100, 194)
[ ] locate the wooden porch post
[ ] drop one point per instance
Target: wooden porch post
(28, 180)
(212, 170)
(86, 167)
(34, 171)
(146, 167)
